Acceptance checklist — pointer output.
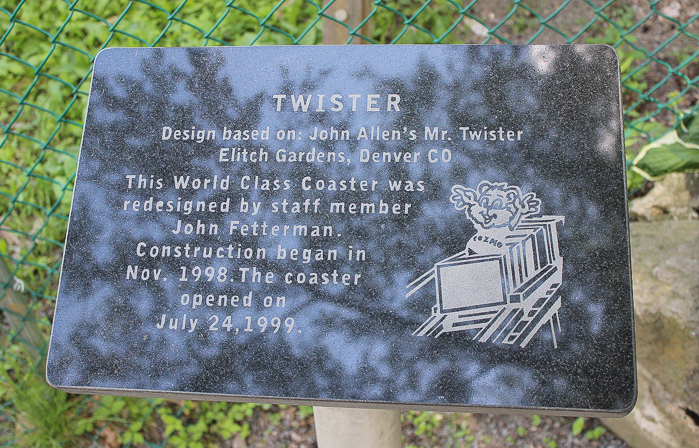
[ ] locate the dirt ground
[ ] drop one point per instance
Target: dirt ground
(445, 430)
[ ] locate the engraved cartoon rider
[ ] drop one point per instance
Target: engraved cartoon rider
(495, 210)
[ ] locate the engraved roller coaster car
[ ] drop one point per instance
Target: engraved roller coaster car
(504, 286)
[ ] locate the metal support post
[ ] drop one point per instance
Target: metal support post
(351, 428)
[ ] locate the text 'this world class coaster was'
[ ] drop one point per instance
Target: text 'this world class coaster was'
(414, 227)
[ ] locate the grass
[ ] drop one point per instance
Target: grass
(39, 415)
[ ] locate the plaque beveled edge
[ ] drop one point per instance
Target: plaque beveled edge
(65, 241)
(353, 403)
(632, 317)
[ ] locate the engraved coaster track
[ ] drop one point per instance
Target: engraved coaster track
(507, 297)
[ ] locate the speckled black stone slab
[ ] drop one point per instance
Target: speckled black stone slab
(430, 227)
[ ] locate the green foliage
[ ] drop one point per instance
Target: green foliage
(669, 154)
(536, 420)
(460, 430)
(521, 431)
(596, 433)
(551, 443)
(275, 418)
(411, 22)
(633, 63)
(592, 434)
(204, 424)
(688, 129)
(524, 22)
(429, 425)
(42, 416)
(425, 422)
(302, 412)
(640, 133)
(132, 414)
(46, 417)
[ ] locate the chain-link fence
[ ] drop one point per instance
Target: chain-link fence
(46, 54)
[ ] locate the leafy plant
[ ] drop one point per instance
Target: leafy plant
(638, 133)
(437, 22)
(204, 424)
(42, 416)
(302, 412)
(631, 60)
(425, 422)
(460, 430)
(551, 443)
(578, 425)
(596, 433)
(132, 413)
(524, 22)
(676, 152)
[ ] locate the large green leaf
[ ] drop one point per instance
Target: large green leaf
(667, 155)
(688, 130)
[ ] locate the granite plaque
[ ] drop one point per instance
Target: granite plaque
(429, 227)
